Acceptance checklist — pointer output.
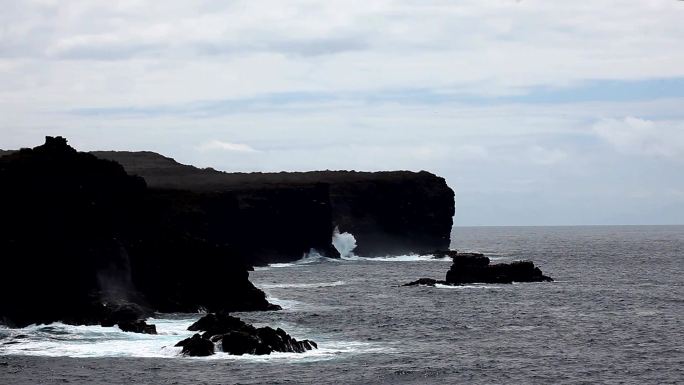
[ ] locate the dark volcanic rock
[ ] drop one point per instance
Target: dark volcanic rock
(122, 312)
(240, 342)
(279, 341)
(475, 268)
(63, 217)
(424, 282)
(137, 327)
(263, 222)
(83, 242)
(238, 337)
(196, 346)
(388, 212)
(277, 217)
(219, 323)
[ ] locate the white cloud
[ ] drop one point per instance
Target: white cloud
(644, 137)
(84, 53)
(226, 146)
(546, 156)
(155, 64)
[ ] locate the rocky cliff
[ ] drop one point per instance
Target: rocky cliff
(388, 212)
(82, 241)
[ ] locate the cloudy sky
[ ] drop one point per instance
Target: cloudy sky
(536, 112)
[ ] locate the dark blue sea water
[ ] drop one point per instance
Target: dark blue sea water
(614, 315)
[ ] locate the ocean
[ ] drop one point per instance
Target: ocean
(614, 315)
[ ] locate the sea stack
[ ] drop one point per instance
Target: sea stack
(476, 268)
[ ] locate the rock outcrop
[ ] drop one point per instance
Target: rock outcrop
(424, 282)
(476, 268)
(196, 346)
(139, 326)
(238, 338)
(83, 242)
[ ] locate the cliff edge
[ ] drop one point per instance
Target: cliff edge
(389, 213)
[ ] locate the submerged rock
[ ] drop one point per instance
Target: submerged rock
(424, 282)
(442, 253)
(139, 326)
(238, 337)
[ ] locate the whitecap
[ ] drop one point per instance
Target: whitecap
(287, 304)
(399, 258)
(301, 285)
(61, 340)
(311, 257)
(518, 328)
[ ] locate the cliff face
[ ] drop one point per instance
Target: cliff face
(79, 237)
(388, 212)
(391, 213)
(265, 221)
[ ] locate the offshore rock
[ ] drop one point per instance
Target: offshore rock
(196, 346)
(475, 268)
(424, 282)
(238, 337)
(213, 324)
(137, 327)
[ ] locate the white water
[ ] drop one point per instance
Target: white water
(300, 285)
(399, 258)
(60, 340)
(345, 243)
(311, 257)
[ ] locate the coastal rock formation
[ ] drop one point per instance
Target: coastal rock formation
(86, 240)
(83, 242)
(238, 337)
(424, 282)
(279, 217)
(196, 346)
(475, 268)
(388, 213)
(137, 327)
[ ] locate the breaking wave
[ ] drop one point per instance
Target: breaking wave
(301, 285)
(309, 258)
(399, 258)
(345, 243)
(61, 340)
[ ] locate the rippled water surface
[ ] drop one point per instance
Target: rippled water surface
(614, 315)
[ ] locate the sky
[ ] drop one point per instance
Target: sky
(535, 112)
